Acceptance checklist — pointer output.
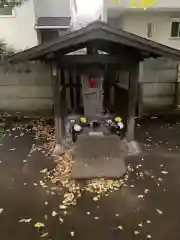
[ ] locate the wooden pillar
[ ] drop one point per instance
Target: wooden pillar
(74, 79)
(92, 49)
(58, 113)
(177, 88)
(140, 87)
(132, 101)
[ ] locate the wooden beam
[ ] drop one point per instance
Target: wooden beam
(92, 48)
(50, 56)
(132, 101)
(90, 58)
(80, 61)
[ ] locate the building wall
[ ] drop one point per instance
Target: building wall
(52, 8)
(157, 80)
(26, 88)
(127, 4)
(137, 24)
(18, 31)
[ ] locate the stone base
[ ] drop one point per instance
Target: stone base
(99, 157)
(133, 148)
(58, 150)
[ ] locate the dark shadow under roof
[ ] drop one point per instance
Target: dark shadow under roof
(96, 31)
(53, 21)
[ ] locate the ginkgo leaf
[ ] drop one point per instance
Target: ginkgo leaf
(141, 196)
(39, 225)
(44, 235)
(149, 236)
(120, 227)
(62, 207)
(95, 199)
(72, 234)
(65, 213)
(28, 220)
(44, 170)
(159, 211)
(61, 220)
(140, 224)
(12, 149)
(54, 213)
(146, 190)
(164, 172)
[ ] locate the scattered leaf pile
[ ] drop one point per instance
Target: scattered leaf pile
(63, 169)
(102, 186)
(62, 173)
(43, 129)
(74, 189)
(62, 177)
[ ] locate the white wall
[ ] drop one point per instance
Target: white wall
(137, 23)
(18, 31)
(86, 13)
(112, 4)
(52, 8)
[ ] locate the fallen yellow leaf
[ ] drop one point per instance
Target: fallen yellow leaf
(120, 227)
(44, 235)
(25, 220)
(141, 196)
(72, 234)
(61, 220)
(149, 236)
(95, 198)
(39, 225)
(62, 207)
(140, 224)
(54, 213)
(159, 211)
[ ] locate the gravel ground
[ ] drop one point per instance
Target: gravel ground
(145, 208)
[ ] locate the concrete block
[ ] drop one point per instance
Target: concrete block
(158, 89)
(25, 74)
(26, 92)
(26, 104)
